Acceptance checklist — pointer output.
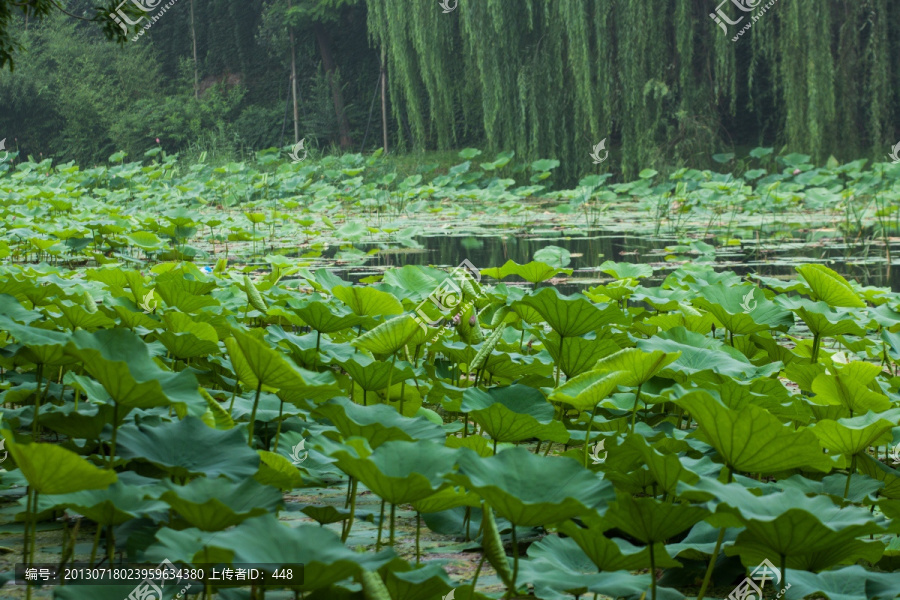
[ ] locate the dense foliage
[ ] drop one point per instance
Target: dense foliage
(660, 80)
(166, 396)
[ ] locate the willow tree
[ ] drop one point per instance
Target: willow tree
(659, 78)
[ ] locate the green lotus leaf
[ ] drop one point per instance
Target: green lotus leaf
(114, 505)
(51, 469)
(698, 353)
(401, 472)
(189, 448)
(307, 350)
(186, 338)
(506, 482)
(667, 469)
(86, 422)
(848, 387)
(11, 309)
(190, 301)
(811, 533)
(367, 301)
(821, 318)
(752, 440)
(371, 374)
(651, 520)
(325, 558)
(571, 316)
(623, 270)
(587, 390)
(862, 487)
(445, 499)
(325, 318)
(855, 435)
(120, 361)
(325, 514)
(636, 365)
(429, 581)
(75, 316)
(256, 364)
(39, 346)
(389, 336)
(829, 287)
(534, 272)
(146, 241)
(848, 583)
(578, 354)
(277, 471)
(378, 424)
(743, 309)
(513, 414)
(216, 504)
(611, 554)
(879, 471)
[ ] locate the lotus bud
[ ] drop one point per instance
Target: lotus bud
(796, 171)
(455, 320)
(472, 321)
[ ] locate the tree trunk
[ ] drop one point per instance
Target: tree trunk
(324, 41)
(384, 101)
(194, 41)
(294, 83)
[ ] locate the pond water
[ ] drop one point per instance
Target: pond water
(865, 262)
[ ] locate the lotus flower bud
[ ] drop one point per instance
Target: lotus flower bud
(455, 320)
(472, 321)
(796, 171)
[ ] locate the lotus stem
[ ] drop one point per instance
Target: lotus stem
(849, 476)
(393, 512)
(278, 429)
(380, 523)
(477, 573)
(96, 544)
(250, 427)
(33, 520)
(352, 513)
(387, 391)
(558, 368)
(515, 548)
(110, 545)
(112, 444)
(587, 435)
(652, 573)
(637, 398)
(418, 528)
(712, 559)
(37, 401)
(28, 492)
(815, 349)
(784, 570)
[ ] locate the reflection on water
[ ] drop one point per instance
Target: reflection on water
(863, 262)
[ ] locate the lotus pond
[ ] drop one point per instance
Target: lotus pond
(633, 390)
